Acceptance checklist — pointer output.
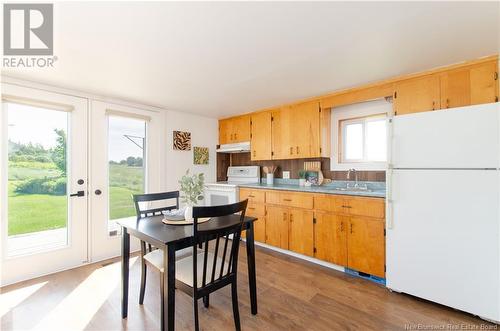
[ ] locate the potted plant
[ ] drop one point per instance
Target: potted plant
(191, 192)
(302, 177)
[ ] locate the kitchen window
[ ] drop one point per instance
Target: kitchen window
(363, 139)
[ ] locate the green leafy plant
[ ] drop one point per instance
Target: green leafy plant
(302, 174)
(192, 188)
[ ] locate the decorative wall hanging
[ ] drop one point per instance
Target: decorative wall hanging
(182, 141)
(200, 155)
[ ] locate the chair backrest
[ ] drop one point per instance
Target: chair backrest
(219, 270)
(150, 197)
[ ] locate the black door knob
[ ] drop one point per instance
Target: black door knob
(98, 192)
(80, 181)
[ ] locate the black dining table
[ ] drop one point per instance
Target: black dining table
(171, 238)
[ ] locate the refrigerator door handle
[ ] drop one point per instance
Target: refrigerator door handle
(388, 199)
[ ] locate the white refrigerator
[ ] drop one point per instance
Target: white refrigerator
(443, 197)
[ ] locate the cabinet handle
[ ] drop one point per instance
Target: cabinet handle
(231, 137)
(297, 149)
(351, 228)
(251, 208)
(251, 196)
(341, 226)
(235, 136)
(291, 218)
(433, 105)
(284, 217)
(447, 103)
(291, 150)
(289, 200)
(254, 152)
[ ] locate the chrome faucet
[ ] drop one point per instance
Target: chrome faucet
(349, 174)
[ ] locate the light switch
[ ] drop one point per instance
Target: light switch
(286, 174)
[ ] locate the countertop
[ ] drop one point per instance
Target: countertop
(376, 192)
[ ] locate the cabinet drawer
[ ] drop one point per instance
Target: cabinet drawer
(253, 196)
(328, 202)
(256, 209)
(371, 207)
(289, 199)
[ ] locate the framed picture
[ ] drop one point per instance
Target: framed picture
(200, 155)
(182, 141)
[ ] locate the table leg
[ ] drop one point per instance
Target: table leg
(125, 270)
(169, 289)
(252, 281)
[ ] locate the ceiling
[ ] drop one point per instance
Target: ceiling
(220, 59)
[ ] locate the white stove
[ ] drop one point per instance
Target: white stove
(221, 193)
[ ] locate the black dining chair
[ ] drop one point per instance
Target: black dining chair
(143, 209)
(211, 271)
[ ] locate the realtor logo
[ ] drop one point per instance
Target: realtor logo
(28, 29)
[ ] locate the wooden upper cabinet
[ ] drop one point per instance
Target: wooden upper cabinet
(305, 140)
(330, 236)
(484, 83)
(260, 138)
(301, 231)
(241, 129)
(417, 95)
(234, 129)
(281, 134)
(366, 245)
(455, 88)
(300, 131)
(225, 131)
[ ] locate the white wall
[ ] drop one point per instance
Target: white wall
(204, 133)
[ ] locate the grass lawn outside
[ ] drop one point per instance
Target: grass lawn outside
(38, 212)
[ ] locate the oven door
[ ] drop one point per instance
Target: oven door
(215, 196)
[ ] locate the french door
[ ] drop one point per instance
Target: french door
(69, 168)
(124, 161)
(43, 200)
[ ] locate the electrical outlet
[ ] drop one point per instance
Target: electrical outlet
(286, 174)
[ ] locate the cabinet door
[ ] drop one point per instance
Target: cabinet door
(241, 129)
(282, 134)
(417, 95)
(366, 246)
(277, 226)
(225, 131)
(301, 231)
(305, 127)
(330, 236)
(484, 83)
(455, 88)
(260, 140)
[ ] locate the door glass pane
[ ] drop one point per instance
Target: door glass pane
(37, 176)
(126, 161)
(376, 140)
(353, 141)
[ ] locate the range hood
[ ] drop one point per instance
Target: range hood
(243, 147)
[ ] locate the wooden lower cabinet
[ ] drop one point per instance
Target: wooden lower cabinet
(344, 230)
(366, 245)
(330, 237)
(301, 231)
(277, 226)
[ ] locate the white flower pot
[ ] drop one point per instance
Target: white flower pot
(302, 181)
(188, 213)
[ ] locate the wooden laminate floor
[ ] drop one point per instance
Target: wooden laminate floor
(292, 295)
